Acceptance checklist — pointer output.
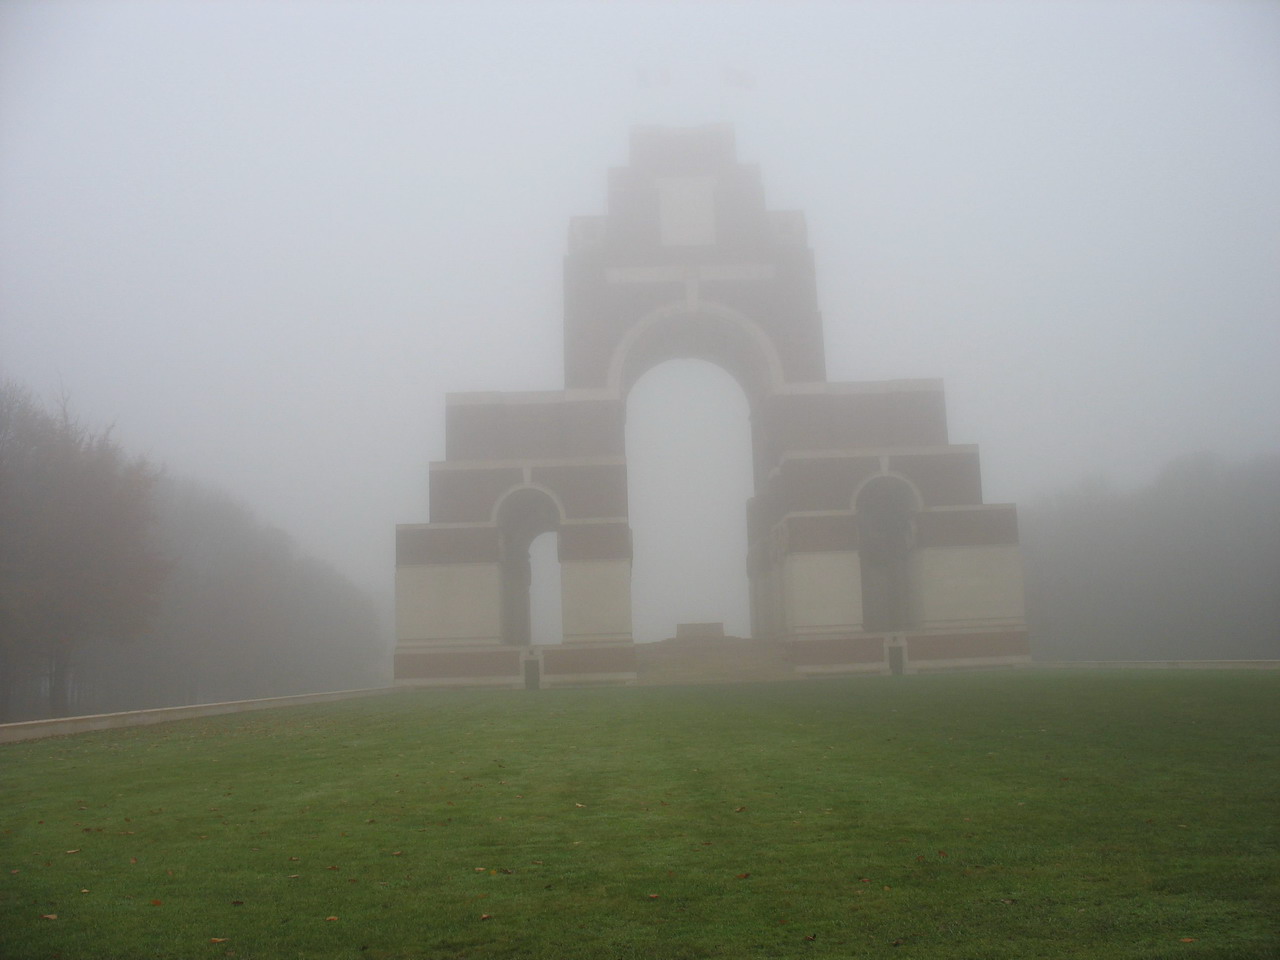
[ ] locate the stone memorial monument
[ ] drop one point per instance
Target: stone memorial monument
(869, 546)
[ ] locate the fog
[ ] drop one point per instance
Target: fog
(264, 240)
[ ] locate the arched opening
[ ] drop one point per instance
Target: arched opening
(546, 614)
(524, 516)
(710, 331)
(689, 476)
(884, 513)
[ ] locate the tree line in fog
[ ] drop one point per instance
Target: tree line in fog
(122, 588)
(1187, 567)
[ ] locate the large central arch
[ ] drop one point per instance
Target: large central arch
(689, 263)
(689, 479)
(703, 330)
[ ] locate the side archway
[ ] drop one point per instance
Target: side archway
(728, 340)
(884, 510)
(522, 515)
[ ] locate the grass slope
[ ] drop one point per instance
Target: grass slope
(1126, 815)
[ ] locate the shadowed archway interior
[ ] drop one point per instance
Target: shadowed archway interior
(523, 516)
(884, 515)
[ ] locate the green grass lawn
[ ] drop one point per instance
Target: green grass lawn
(1018, 815)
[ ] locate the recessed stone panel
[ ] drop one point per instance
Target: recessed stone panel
(469, 494)
(967, 646)
(820, 483)
(830, 651)
(569, 660)
(595, 541)
(587, 491)
(821, 534)
(973, 527)
(458, 664)
(435, 544)
(944, 479)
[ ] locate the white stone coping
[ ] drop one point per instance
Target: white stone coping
(60, 726)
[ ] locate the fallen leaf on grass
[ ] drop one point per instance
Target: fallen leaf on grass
(653, 896)
(744, 876)
(77, 850)
(293, 876)
(237, 903)
(48, 916)
(811, 936)
(397, 853)
(332, 868)
(217, 939)
(157, 903)
(741, 810)
(330, 918)
(486, 916)
(1187, 940)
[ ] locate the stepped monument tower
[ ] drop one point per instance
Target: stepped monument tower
(869, 546)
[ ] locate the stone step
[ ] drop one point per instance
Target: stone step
(711, 660)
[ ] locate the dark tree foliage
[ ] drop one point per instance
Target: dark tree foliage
(122, 589)
(243, 614)
(1186, 568)
(78, 565)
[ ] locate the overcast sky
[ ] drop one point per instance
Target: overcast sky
(264, 239)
